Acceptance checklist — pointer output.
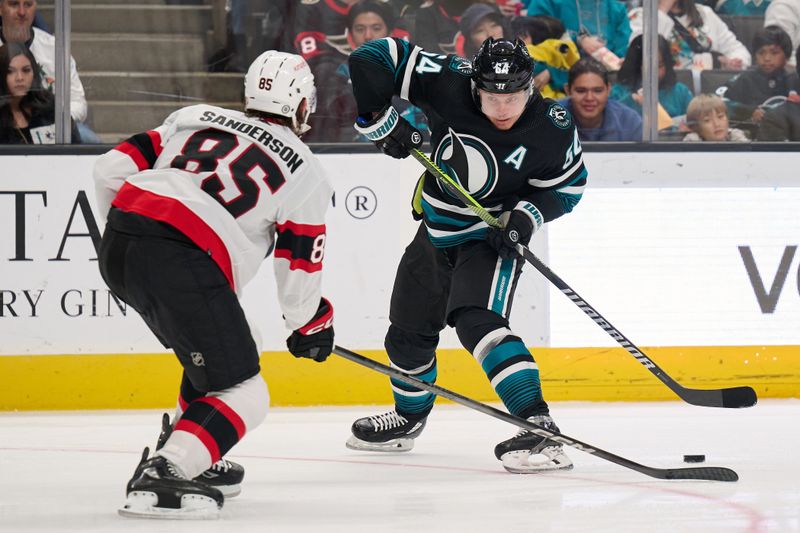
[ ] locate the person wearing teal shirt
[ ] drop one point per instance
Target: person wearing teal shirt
(749, 8)
(673, 95)
(590, 23)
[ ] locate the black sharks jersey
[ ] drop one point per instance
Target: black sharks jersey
(539, 159)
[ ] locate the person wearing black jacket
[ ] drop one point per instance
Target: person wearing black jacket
(27, 109)
(782, 123)
(519, 155)
(748, 94)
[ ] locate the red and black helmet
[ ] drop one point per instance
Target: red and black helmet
(502, 66)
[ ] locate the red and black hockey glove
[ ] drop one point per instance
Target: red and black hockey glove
(391, 133)
(522, 223)
(315, 339)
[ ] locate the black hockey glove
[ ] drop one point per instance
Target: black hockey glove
(315, 339)
(391, 133)
(522, 222)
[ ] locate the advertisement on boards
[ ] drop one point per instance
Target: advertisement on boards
(666, 256)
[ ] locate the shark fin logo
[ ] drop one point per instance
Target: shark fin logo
(469, 161)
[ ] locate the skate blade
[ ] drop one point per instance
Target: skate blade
(390, 446)
(523, 462)
(143, 504)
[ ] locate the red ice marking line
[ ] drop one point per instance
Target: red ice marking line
(756, 519)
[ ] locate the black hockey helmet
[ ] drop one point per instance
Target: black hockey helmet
(502, 66)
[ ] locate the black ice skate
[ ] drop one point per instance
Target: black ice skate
(388, 432)
(528, 452)
(224, 475)
(157, 490)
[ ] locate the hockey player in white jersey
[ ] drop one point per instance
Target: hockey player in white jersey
(193, 207)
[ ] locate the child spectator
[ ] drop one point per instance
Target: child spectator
(697, 36)
(27, 109)
(597, 117)
(747, 92)
(592, 24)
(673, 95)
(782, 123)
(707, 117)
(552, 50)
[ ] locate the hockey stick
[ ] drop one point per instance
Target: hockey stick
(709, 473)
(734, 397)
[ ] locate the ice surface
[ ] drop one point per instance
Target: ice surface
(66, 472)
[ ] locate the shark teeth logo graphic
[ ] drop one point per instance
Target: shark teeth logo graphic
(469, 161)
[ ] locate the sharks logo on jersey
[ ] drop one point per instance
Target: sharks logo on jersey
(559, 116)
(461, 65)
(469, 161)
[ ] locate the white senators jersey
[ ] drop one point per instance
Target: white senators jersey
(238, 187)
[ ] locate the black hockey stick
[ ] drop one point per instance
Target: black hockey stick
(734, 397)
(709, 473)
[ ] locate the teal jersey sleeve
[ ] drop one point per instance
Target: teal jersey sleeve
(390, 67)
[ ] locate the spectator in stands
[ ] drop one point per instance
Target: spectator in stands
(745, 8)
(697, 36)
(367, 20)
(707, 117)
(592, 24)
(782, 123)
(478, 23)
(553, 51)
(597, 117)
(27, 110)
(18, 27)
(673, 95)
(748, 94)
(38, 22)
(320, 32)
(436, 24)
(786, 14)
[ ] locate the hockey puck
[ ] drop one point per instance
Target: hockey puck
(694, 458)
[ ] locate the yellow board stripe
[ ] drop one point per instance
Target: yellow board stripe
(142, 381)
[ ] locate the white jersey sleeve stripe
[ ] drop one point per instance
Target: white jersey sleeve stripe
(557, 180)
(410, 65)
(393, 51)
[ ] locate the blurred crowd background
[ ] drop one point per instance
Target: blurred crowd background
(727, 69)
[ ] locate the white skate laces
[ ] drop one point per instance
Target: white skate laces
(221, 466)
(388, 420)
(387, 432)
(542, 456)
(173, 469)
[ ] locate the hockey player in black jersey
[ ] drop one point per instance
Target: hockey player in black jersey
(518, 154)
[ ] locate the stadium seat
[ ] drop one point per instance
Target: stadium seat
(744, 28)
(686, 77)
(711, 79)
